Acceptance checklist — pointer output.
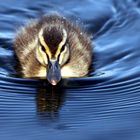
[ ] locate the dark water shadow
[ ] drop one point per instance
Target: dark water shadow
(49, 100)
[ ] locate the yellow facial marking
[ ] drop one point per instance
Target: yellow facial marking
(44, 44)
(43, 56)
(61, 43)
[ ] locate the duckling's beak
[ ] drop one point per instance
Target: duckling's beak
(53, 72)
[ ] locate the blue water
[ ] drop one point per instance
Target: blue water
(103, 106)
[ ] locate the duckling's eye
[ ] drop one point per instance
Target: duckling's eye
(42, 48)
(63, 48)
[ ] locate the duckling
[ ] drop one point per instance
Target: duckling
(52, 47)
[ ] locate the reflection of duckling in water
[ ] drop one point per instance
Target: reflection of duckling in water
(53, 47)
(50, 99)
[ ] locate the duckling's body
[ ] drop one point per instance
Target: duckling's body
(53, 32)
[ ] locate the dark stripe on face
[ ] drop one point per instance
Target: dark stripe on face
(52, 38)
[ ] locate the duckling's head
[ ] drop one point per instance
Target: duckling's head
(53, 51)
